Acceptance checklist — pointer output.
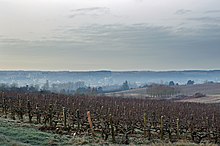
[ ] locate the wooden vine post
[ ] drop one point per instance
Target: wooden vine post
(20, 109)
(64, 116)
(90, 123)
(29, 111)
(78, 119)
(11, 109)
(149, 131)
(112, 129)
(38, 114)
(208, 125)
(145, 125)
(192, 127)
(161, 127)
(213, 120)
(4, 107)
(177, 128)
(50, 114)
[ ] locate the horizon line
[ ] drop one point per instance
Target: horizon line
(106, 70)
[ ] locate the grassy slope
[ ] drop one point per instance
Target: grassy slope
(13, 133)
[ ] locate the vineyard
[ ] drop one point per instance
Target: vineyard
(118, 120)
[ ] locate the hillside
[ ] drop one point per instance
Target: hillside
(208, 89)
(211, 90)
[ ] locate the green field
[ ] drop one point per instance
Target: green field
(18, 134)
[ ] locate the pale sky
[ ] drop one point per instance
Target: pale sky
(109, 34)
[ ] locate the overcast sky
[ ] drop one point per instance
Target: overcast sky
(109, 34)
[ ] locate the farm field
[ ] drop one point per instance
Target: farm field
(107, 120)
(207, 99)
(207, 88)
(211, 90)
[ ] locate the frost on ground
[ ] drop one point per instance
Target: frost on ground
(15, 133)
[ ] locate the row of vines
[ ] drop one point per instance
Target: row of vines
(119, 120)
